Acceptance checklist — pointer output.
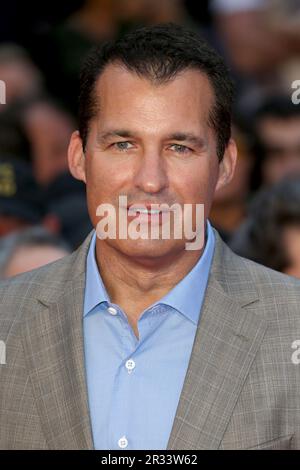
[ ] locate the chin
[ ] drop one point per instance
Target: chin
(149, 249)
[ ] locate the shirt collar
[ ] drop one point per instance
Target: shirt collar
(95, 291)
(186, 297)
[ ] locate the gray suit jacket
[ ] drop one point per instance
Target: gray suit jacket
(241, 390)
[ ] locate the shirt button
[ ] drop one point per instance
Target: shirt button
(112, 310)
(130, 365)
(122, 442)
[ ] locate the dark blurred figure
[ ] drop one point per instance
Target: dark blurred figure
(271, 233)
(48, 129)
(61, 51)
(37, 130)
(21, 200)
(229, 207)
(28, 249)
(276, 141)
(20, 21)
(21, 77)
(66, 209)
(14, 141)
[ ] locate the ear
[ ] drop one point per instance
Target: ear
(76, 157)
(227, 165)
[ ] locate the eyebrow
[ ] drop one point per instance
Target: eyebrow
(179, 136)
(187, 137)
(103, 136)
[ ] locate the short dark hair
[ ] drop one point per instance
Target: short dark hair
(159, 53)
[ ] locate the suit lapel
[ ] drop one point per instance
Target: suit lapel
(226, 341)
(54, 350)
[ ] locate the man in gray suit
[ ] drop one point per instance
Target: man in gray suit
(141, 343)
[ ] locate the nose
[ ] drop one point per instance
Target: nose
(151, 175)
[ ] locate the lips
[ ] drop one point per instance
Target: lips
(147, 213)
(147, 208)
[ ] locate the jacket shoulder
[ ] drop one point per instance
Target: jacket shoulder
(278, 293)
(47, 282)
(245, 280)
(267, 280)
(19, 294)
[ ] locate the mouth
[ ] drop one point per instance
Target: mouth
(146, 212)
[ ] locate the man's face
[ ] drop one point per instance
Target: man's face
(281, 140)
(152, 144)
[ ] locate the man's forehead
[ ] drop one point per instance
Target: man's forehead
(116, 76)
(126, 99)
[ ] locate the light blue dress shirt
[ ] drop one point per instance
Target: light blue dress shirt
(134, 385)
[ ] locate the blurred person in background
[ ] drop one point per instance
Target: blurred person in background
(28, 249)
(259, 34)
(21, 199)
(261, 39)
(37, 130)
(66, 209)
(60, 207)
(229, 207)
(275, 141)
(14, 141)
(48, 129)
(271, 233)
(20, 75)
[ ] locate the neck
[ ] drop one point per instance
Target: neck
(136, 283)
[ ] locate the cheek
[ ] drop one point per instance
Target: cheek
(105, 183)
(196, 183)
(103, 178)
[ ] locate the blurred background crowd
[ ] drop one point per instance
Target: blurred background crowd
(43, 213)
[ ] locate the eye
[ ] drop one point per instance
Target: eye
(180, 148)
(123, 146)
